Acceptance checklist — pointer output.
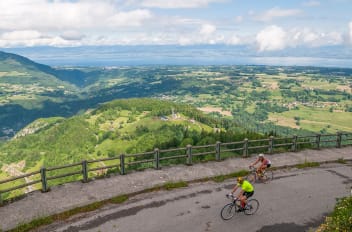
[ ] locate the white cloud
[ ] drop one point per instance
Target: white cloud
(207, 29)
(43, 15)
(312, 38)
(21, 35)
(276, 12)
(131, 18)
(233, 40)
(276, 38)
(32, 38)
(311, 3)
(177, 3)
(271, 38)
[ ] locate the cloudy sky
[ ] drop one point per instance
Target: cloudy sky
(266, 25)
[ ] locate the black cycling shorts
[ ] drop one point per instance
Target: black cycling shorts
(268, 165)
(248, 194)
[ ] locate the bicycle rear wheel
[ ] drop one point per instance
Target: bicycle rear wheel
(268, 176)
(251, 207)
(228, 211)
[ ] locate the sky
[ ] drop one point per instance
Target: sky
(264, 25)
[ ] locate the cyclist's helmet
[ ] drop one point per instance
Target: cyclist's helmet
(261, 155)
(239, 179)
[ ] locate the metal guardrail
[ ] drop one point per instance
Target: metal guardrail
(188, 153)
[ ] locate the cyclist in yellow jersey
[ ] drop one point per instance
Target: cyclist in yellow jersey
(247, 190)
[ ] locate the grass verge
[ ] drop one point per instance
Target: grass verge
(67, 214)
(341, 161)
(307, 165)
(222, 178)
(340, 219)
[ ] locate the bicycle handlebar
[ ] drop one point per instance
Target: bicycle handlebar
(230, 195)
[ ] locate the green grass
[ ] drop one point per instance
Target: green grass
(222, 178)
(341, 161)
(119, 199)
(315, 119)
(173, 185)
(307, 165)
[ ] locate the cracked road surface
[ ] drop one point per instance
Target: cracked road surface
(295, 200)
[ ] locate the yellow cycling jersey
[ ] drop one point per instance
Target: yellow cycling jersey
(246, 186)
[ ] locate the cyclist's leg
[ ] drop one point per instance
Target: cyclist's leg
(247, 196)
(260, 171)
(243, 200)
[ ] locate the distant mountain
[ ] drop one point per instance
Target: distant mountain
(12, 62)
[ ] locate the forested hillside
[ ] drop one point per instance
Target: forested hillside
(121, 126)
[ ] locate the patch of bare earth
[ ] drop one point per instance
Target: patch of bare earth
(283, 121)
(210, 109)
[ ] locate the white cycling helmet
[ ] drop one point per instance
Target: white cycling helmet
(261, 155)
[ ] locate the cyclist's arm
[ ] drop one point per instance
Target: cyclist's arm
(240, 194)
(235, 188)
(255, 162)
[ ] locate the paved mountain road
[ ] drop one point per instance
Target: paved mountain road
(294, 201)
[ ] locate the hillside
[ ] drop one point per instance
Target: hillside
(127, 126)
(121, 126)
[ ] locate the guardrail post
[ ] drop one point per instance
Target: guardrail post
(294, 143)
(157, 158)
(84, 171)
(317, 141)
(122, 164)
(338, 139)
(43, 179)
(217, 151)
(189, 154)
(271, 144)
(245, 147)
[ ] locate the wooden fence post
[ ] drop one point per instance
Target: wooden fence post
(338, 139)
(294, 143)
(317, 141)
(43, 179)
(189, 154)
(217, 151)
(157, 158)
(271, 144)
(245, 147)
(84, 171)
(122, 164)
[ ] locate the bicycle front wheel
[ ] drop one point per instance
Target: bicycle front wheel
(228, 211)
(251, 177)
(251, 207)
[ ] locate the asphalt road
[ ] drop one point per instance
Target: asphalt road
(295, 200)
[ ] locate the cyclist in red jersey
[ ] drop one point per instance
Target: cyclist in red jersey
(265, 163)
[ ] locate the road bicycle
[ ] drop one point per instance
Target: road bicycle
(229, 210)
(264, 177)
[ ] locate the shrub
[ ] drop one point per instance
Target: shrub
(340, 219)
